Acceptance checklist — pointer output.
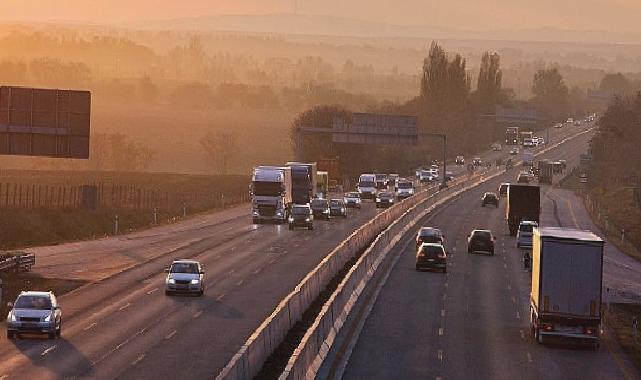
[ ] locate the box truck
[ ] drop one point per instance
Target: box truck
(523, 203)
(567, 275)
(303, 181)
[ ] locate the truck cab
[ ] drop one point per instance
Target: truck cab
(271, 191)
(367, 186)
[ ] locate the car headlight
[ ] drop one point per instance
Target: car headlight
(195, 281)
(171, 281)
(378, 199)
(47, 318)
(307, 219)
(291, 219)
(342, 209)
(390, 200)
(255, 213)
(325, 211)
(279, 213)
(12, 317)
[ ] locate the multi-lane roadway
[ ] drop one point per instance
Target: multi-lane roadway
(122, 325)
(473, 321)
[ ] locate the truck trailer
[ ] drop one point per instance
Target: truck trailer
(271, 191)
(523, 203)
(546, 171)
(303, 181)
(567, 275)
(322, 183)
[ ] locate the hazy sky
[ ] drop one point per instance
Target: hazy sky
(609, 15)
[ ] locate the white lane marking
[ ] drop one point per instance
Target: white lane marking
(239, 283)
(271, 261)
(439, 355)
(257, 270)
(529, 357)
(48, 350)
(152, 291)
(232, 271)
(220, 297)
(444, 297)
(518, 315)
(505, 265)
(509, 287)
(198, 314)
(171, 335)
(446, 282)
(90, 327)
(440, 331)
(124, 306)
(442, 312)
(522, 334)
(138, 360)
(233, 248)
(513, 300)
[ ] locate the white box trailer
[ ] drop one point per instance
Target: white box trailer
(567, 275)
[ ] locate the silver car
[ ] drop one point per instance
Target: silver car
(36, 313)
(185, 276)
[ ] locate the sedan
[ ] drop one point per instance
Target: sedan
(337, 208)
(35, 313)
(384, 199)
(431, 256)
(490, 198)
(301, 216)
(481, 241)
(514, 151)
(320, 208)
(353, 199)
(185, 276)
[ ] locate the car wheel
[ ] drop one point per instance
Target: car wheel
(59, 331)
(417, 268)
(291, 227)
(311, 227)
(201, 293)
(167, 293)
(11, 335)
(52, 335)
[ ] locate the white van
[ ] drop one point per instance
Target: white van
(367, 186)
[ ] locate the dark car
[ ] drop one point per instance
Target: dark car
(431, 256)
(337, 208)
(490, 199)
(429, 235)
(481, 241)
(320, 208)
(384, 199)
(503, 189)
(301, 216)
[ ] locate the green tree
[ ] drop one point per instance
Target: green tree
(615, 83)
(488, 89)
(551, 93)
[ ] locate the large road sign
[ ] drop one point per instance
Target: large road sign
(44, 122)
(369, 128)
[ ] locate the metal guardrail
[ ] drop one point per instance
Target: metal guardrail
(18, 262)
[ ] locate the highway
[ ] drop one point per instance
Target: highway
(473, 322)
(122, 325)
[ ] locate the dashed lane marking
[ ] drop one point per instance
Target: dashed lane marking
(198, 314)
(257, 270)
(509, 287)
(123, 307)
(220, 297)
(239, 283)
(518, 315)
(152, 291)
(171, 335)
(90, 327)
(48, 350)
(442, 312)
(522, 334)
(513, 300)
(439, 355)
(440, 331)
(529, 357)
(138, 360)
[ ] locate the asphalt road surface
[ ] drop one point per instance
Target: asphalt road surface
(122, 325)
(473, 322)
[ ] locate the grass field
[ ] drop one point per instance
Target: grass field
(26, 226)
(619, 319)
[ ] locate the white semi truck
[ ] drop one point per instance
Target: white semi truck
(271, 191)
(567, 274)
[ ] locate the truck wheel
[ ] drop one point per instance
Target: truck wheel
(311, 227)
(291, 227)
(539, 338)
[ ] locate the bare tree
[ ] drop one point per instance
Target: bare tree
(220, 147)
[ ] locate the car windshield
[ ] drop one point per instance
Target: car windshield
(405, 185)
(335, 202)
(300, 211)
(366, 184)
(184, 268)
(381, 177)
(33, 302)
(432, 250)
(431, 239)
(526, 228)
(385, 195)
(267, 188)
(482, 234)
(352, 195)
